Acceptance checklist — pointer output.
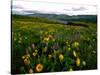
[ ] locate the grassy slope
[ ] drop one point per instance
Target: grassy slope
(27, 31)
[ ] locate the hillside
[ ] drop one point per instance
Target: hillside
(43, 45)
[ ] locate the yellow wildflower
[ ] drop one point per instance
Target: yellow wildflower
(30, 71)
(34, 53)
(78, 61)
(49, 55)
(20, 38)
(46, 39)
(74, 53)
(61, 57)
(26, 56)
(19, 41)
(15, 39)
(41, 32)
(69, 49)
(23, 57)
(39, 67)
(50, 36)
(75, 44)
(70, 69)
(66, 42)
(27, 61)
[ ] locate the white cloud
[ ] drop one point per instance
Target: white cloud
(59, 7)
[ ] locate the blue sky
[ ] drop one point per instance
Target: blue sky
(69, 7)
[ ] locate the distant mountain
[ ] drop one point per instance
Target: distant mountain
(65, 18)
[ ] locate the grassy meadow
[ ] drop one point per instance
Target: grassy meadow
(40, 45)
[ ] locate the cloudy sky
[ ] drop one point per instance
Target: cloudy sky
(69, 7)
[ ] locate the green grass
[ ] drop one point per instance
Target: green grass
(56, 47)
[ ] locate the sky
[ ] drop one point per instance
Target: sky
(68, 7)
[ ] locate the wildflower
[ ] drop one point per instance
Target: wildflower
(84, 63)
(39, 67)
(34, 53)
(75, 44)
(41, 32)
(61, 57)
(46, 39)
(23, 57)
(26, 56)
(78, 61)
(50, 36)
(20, 38)
(74, 53)
(15, 39)
(30, 71)
(27, 61)
(67, 42)
(19, 41)
(70, 69)
(49, 55)
(69, 49)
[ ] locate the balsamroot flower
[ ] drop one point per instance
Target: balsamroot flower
(78, 61)
(39, 67)
(61, 57)
(26, 61)
(46, 39)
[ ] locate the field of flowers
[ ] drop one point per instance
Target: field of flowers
(39, 46)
